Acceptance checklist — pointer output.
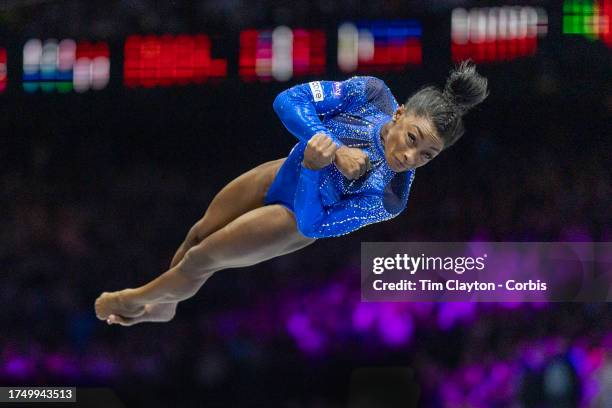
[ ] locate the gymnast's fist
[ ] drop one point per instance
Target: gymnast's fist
(320, 152)
(352, 162)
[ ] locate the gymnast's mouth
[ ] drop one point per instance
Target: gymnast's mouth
(396, 163)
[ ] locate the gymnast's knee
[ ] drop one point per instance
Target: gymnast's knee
(197, 233)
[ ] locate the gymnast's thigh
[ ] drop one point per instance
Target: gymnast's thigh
(256, 236)
(243, 194)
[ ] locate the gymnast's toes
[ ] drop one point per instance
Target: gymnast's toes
(114, 303)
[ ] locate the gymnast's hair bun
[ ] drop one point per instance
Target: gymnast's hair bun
(465, 88)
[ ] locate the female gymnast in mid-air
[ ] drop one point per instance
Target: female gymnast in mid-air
(353, 165)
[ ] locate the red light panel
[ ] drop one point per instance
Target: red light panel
(168, 60)
(3, 76)
(605, 7)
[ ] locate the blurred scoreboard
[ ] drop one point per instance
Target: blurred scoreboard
(170, 60)
(591, 19)
(365, 47)
(65, 65)
(281, 53)
(379, 46)
(483, 34)
(490, 34)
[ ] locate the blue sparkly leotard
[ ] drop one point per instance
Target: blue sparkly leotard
(352, 113)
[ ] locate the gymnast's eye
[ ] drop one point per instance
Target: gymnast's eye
(429, 156)
(412, 138)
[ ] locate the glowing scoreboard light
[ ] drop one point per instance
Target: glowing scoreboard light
(170, 60)
(64, 66)
(591, 19)
(2, 69)
(91, 67)
(379, 46)
(496, 33)
(281, 53)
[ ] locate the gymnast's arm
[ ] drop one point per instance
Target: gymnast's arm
(299, 107)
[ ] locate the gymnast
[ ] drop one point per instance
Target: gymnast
(354, 165)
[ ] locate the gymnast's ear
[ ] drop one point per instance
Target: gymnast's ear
(399, 112)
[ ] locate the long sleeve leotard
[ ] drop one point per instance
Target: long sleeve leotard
(352, 113)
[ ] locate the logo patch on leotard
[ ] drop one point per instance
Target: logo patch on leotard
(317, 90)
(336, 88)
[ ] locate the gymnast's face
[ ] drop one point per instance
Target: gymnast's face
(410, 141)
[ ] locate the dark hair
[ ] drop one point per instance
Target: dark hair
(464, 89)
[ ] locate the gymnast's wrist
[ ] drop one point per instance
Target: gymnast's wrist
(310, 166)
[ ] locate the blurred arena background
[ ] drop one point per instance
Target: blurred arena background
(120, 120)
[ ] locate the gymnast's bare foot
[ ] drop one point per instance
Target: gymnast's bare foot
(160, 312)
(117, 303)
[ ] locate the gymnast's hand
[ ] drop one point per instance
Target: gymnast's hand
(320, 152)
(352, 162)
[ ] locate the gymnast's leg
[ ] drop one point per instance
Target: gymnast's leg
(256, 236)
(241, 195)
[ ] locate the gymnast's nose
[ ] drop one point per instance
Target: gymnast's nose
(408, 160)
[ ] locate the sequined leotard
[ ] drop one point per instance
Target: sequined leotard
(352, 113)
